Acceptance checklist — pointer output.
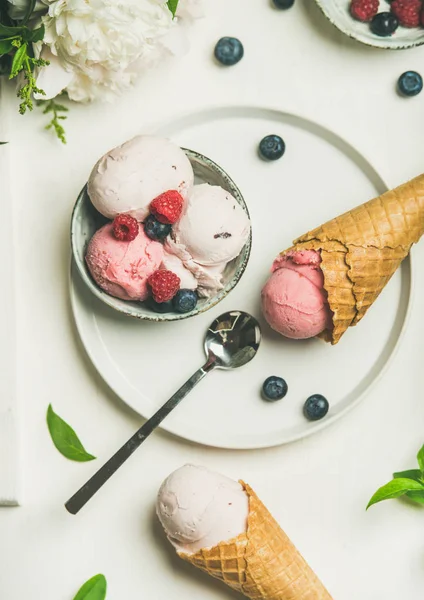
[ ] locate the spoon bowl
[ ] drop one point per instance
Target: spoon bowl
(232, 340)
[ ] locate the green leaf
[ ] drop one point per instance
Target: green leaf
(414, 474)
(33, 35)
(93, 589)
(394, 489)
(5, 46)
(29, 11)
(417, 497)
(420, 459)
(173, 5)
(65, 439)
(6, 31)
(18, 61)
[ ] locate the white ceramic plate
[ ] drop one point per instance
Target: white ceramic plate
(337, 11)
(319, 177)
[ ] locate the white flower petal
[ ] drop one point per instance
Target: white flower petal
(190, 9)
(53, 79)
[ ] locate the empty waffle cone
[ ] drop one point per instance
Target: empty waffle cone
(262, 563)
(362, 249)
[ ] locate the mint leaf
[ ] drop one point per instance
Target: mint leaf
(414, 474)
(173, 5)
(65, 439)
(395, 489)
(18, 61)
(417, 497)
(93, 589)
(420, 459)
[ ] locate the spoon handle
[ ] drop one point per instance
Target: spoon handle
(87, 491)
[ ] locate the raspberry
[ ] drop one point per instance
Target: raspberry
(164, 284)
(407, 12)
(167, 207)
(364, 10)
(125, 228)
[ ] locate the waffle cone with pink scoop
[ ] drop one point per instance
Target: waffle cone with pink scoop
(362, 249)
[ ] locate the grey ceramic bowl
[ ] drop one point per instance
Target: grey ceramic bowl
(86, 221)
(338, 13)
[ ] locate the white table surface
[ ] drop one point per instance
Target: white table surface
(317, 488)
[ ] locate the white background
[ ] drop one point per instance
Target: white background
(317, 488)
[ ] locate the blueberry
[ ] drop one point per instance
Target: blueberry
(185, 301)
(384, 24)
(156, 230)
(283, 3)
(160, 307)
(229, 51)
(410, 83)
(316, 407)
(274, 388)
(272, 147)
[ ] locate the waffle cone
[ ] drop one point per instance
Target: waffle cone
(363, 248)
(262, 563)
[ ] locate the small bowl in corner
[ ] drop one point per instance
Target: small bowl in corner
(338, 13)
(86, 220)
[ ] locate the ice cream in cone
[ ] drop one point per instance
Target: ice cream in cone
(220, 526)
(329, 278)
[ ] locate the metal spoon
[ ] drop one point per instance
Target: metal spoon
(231, 341)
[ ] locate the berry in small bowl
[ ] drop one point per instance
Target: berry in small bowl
(125, 228)
(185, 301)
(407, 12)
(156, 230)
(384, 24)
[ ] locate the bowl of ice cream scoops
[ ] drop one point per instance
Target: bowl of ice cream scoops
(159, 232)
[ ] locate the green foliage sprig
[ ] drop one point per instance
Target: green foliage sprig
(17, 59)
(54, 109)
(408, 483)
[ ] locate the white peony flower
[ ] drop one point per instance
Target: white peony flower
(105, 43)
(190, 9)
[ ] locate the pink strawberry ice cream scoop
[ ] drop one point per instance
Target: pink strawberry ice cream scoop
(294, 301)
(122, 268)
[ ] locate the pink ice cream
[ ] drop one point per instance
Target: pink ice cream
(122, 268)
(294, 301)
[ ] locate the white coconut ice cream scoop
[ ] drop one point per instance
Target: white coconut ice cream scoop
(211, 232)
(199, 508)
(128, 178)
